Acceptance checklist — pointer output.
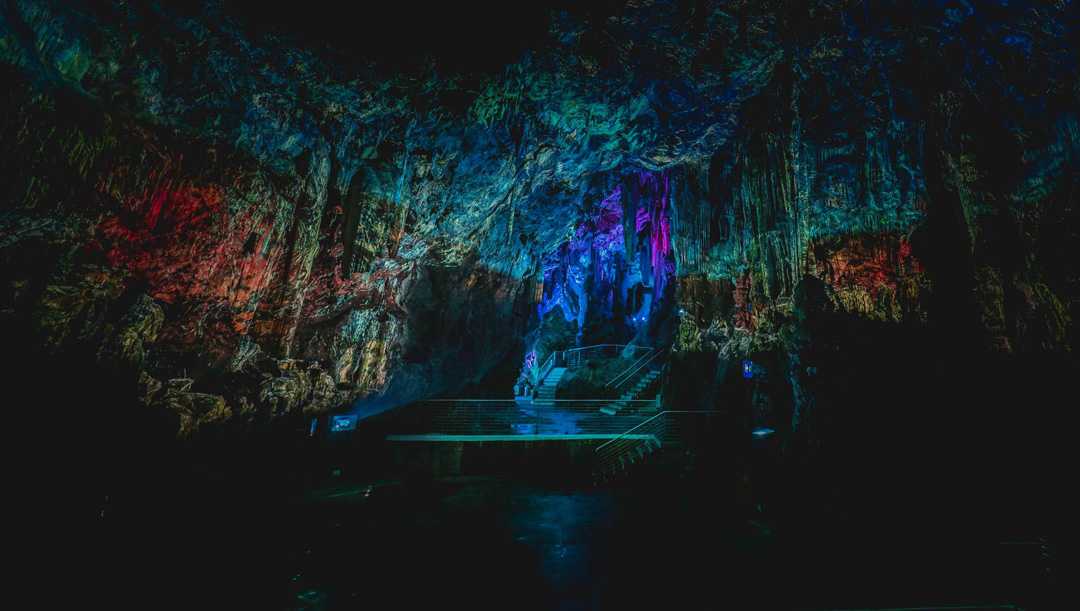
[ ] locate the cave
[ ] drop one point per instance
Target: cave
(668, 304)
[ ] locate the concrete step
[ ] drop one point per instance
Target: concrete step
(613, 408)
(545, 392)
(624, 400)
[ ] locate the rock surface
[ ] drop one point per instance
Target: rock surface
(251, 227)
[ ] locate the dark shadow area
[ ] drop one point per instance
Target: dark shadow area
(847, 233)
(904, 517)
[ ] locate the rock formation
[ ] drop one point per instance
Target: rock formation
(245, 227)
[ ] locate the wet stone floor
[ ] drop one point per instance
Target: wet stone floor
(493, 544)
(483, 543)
(663, 541)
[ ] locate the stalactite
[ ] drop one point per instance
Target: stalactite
(272, 200)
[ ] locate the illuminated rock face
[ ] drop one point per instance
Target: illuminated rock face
(249, 229)
(611, 279)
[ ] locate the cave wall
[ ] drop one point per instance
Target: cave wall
(610, 280)
(247, 227)
(220, 286)
(259, 228)
(868, 147)
(886, 236)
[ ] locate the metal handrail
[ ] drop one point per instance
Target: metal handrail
(631, 431)
(546, 368)
(619, 377)
(509, 417)
(512, 401)
(607, 346)
(574, 357)
(635, 442)
(664, 413)
(565, 356)
(635, 367)
(640, 439)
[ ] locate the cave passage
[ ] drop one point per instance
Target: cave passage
(678, 304)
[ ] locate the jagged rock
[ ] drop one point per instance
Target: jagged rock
(149, 388)
(137, 330)
(274, 203)
(74, 309)
(324, 393)
(193, 410)
(178, 385)
(288, 391)
(245, 355)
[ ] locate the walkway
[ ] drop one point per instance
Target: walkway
(624, 430)
(507, 418)
(642, 374)
(435, 437)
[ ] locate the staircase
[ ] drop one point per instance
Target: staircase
(620, 464)
(670, 437)
(642, 384)
(545, 393)
(617, 456)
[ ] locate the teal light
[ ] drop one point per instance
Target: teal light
(343, 423)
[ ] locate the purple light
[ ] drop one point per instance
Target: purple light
(597, 250)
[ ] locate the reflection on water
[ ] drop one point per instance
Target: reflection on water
(484, 543)
(487, 542)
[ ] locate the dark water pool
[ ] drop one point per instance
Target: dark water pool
(665, 542)
(485, 543)
(497, 544)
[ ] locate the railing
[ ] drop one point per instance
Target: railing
(546, 368)
(575, 357)
(633, 369)
(509, 417)
(665, 429)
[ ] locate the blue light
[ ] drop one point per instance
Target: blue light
(747, 369)
(343, 423)
(762, 432)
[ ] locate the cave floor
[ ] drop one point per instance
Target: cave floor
(437, 438)
(325, 527)
(476, 542)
